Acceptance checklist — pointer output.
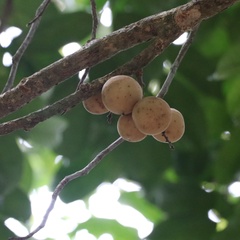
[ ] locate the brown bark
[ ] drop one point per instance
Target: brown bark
(162, 29)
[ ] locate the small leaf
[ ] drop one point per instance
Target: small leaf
(5, 233)
(216, 43)
(186, 226)
(227, 158)
(232, 88)
(43, 166)
(217, 117)
(98, 226)
(139, 202)
(229, 64)
(27, 177)
(10, 163)
(17, 205)
(48, 133)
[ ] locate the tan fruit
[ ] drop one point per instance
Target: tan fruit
(95, 105)
(175, 130)
(127, 129)
(151, 115)
(120, 93)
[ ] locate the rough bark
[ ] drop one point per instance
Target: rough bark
(160, 30)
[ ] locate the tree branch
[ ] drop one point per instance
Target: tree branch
(17, 57)
(166, 26)
(84, 91)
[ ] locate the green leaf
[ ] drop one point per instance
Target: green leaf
(212, 46)
(5, 233)
(184, 227)
(48, 133)
(20, 15)
(86, 4)
(68, 27)
(138, 201)
(231, 90)
(79, 5)
(145, 7)
(43, 166)
(227, 163)
(98, 226)
(232, 231)
(228, 66)
(55, 30)
(26, 182)
(10, 164)
(16, 205)
(217, 118)
(183, 198)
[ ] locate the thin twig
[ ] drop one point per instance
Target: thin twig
(163, 91)
(40, 11)
(18, 55)
(171, 146)
(94, 35)
(94, 19)
(69, 178)
(82, 79)
(139, 77)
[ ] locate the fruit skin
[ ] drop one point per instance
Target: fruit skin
(94, 105)
(151, 115)
(120, 93)
(127, 129)
(175, 130)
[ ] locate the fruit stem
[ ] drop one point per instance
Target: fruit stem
(171, 146)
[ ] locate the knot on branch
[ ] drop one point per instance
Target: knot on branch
(187, 19)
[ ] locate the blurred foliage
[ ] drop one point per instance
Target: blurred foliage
(206, 90)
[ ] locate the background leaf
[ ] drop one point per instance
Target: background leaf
(10, 164)
(19, 209)
(99, 226)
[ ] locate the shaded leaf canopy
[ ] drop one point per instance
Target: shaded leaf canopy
(179, 186)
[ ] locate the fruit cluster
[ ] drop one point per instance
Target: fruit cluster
(139, 116)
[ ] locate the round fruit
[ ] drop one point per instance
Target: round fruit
(151, 115)
(95, 105)
(120, 93)
(175, 130)
(127, 129)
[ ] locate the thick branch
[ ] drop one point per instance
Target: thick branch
(83, 92)
(167, 26)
